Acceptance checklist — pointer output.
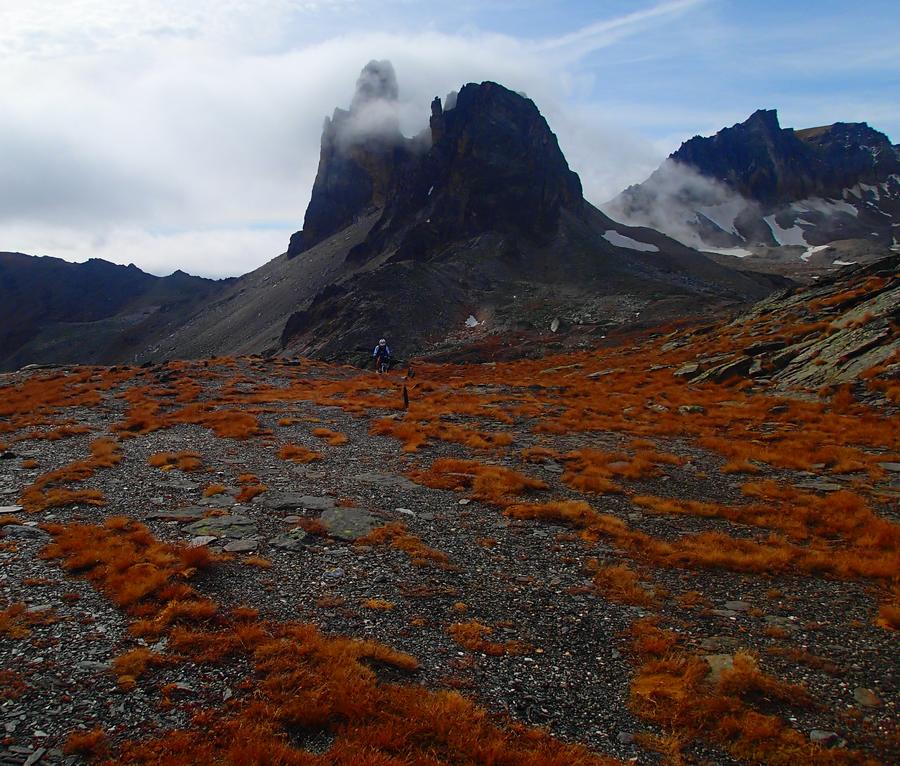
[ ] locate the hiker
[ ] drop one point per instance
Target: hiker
(382, 356)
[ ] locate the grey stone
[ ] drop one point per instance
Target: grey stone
(233, 527)
(10, 508)
(687, 370)
(283, 501)
(201, 540)
(660, 408)
(892, 467)
(737, 606)
(23, 532)
(724, 612)
(818, 485)
(718, 663)
(242, 546)
(604, 373)
(625, 738)
(386, 480)
(866, 697)
(405, 511)
(348, 523)
(335, 573)
(217, 501)
(295, 540)
(824, 738)
(194, 513)
(731, 368)
(691, 409)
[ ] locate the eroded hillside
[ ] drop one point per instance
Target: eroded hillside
(581, 559)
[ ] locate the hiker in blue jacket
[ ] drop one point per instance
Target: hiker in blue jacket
(382, 356)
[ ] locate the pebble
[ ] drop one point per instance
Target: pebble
(242, 546)
(866, 697)
(824, 738)
(10, 508)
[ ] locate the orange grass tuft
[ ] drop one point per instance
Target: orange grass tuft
(334, 438)
(397, 536)
(298, 454)
(183, 461)
(473, 635)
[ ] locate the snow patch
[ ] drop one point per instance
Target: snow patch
(811, 250)
(739, 252)
(792, 236)
(844, 263)
(620, 240)
(725, 213)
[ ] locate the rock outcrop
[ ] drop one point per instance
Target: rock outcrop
(362, 155)
(826, 335)
(817, 198)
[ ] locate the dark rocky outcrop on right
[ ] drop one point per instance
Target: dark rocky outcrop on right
(824, 335)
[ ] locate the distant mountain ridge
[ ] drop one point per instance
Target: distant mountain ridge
(757, 185)
(54, 311)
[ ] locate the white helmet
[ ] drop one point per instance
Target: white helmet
(382, 342)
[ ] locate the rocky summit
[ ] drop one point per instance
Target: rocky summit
(798, 202)
(684, 540)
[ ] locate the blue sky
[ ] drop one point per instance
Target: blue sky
(180, 134)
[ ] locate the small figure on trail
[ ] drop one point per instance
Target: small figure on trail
(382, 356)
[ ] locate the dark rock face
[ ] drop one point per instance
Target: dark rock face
(361, 153)
(765, 162)
(494, 165)
(489, 162)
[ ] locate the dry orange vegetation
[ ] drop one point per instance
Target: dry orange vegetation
(46, 491)
(536, 440)
(675, 691)
(298, 454)
(183, 461)
(302, 680)
(334, 438)
(397, 536)
(475, 636)
(491, 483)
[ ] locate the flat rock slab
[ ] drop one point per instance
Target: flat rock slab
(242, 546)
(820, 486)
(217, 501)
(386, 480)
(892, 467)
(285, 501)
(201, 540)
(295, 540)
(348, 523)
(23, 532)
(232, 527)
(10, 508)
(194, 513)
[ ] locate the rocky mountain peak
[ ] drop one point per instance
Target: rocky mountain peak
(494, 164)
(488, 161)
(361, 150)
